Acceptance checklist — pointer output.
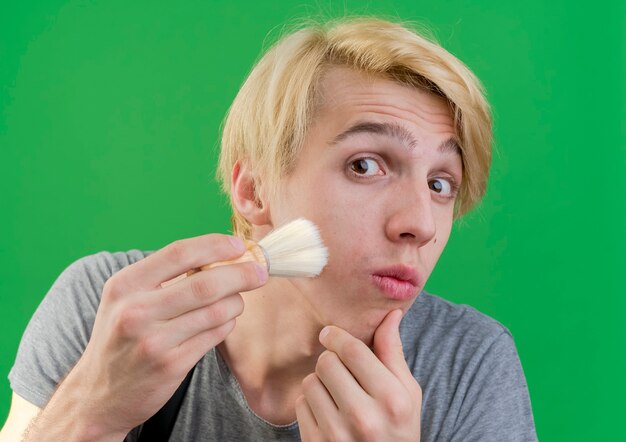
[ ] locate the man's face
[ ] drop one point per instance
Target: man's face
(377, 174)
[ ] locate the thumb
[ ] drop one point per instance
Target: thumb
(388, 346)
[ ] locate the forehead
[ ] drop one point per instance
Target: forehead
(350, 102)
(340, 85)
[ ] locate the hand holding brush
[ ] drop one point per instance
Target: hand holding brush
(294, 249)
(147, 334)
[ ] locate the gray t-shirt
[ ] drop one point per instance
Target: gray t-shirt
(473, 385)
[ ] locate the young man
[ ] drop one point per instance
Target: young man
(381, 138)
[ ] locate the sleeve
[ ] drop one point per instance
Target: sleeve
(60, 328)
(496, 405)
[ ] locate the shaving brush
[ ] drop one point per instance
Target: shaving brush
(294, 249)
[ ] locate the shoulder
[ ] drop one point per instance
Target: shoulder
(60, 328)
(78, 288)
(106, 263)
(446, 316)
(467, 365)
(455, 332)
(95, 269)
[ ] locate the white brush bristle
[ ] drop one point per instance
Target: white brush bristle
(295, 249)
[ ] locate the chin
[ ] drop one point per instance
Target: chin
(361, 324)
(357, 308)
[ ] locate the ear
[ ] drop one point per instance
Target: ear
(246, 195)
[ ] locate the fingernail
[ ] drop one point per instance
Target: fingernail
(237, 243)
(324, 332)
(261, 272)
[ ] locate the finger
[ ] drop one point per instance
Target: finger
(342, 386)
(206, 287)
(322, 406)
(177, 258)
(367, 369)
(306, 420)
(388, 346)
(177, 330)
(193, 349)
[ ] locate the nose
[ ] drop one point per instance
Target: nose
(411, 218)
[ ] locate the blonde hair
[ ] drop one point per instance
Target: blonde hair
(268, 120)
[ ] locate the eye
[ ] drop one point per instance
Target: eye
(366, 167)
(444, 187)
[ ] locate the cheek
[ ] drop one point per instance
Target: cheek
(350, 228)
(350, 217)
(329, 202)
(348, 243)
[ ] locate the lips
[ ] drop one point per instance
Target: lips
(398, 282)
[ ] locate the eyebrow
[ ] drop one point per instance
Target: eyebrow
(396, 131)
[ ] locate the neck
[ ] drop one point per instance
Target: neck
(272, 348)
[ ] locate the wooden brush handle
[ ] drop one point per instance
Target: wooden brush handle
(253, 253)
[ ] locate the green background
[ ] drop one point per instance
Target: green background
(110, 117)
